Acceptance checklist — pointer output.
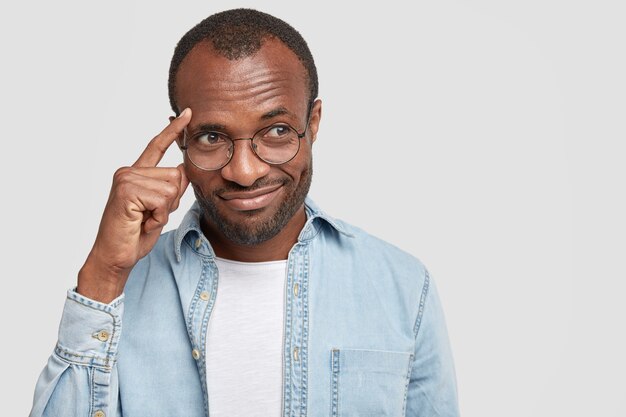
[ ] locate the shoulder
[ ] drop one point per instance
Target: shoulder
(362, 240)
(361, 266)
(374, 255)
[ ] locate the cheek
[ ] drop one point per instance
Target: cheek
(300, 164)
(203, 182)
(295, 173)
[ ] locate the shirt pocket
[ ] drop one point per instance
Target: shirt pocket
(369, 382)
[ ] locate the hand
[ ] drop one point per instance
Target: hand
(141, 200)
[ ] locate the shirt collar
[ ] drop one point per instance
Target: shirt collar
(315, 221)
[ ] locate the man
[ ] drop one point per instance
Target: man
(259, 304)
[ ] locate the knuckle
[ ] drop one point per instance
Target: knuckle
(160, 216)
(175, 174)
(170, 191)
(124, 188)
(121, 173)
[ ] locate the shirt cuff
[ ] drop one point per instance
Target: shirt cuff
(90, 331)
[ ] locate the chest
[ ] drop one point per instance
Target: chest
(345, 339)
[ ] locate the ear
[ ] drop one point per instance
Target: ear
(315, 118)
(179, 139)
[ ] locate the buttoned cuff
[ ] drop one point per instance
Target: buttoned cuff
(90, 331)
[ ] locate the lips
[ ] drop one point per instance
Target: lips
(251, 200)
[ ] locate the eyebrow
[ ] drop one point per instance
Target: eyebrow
(208, 127)
(216, 127)
(279, 111)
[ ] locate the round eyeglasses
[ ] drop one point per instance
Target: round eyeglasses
(276, 144)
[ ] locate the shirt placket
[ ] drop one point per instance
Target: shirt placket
(199, 315)
(295, 354)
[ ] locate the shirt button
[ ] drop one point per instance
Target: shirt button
(196, 354)
(99, 413)
(296, 289)
(198, 243)
(103, 336)
(296, 354)
(204, 295)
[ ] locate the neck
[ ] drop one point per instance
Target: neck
(274, 249)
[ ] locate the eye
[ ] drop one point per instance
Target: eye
(277, 131)
(209, 138)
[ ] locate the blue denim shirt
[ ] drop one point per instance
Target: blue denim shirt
(364, 333)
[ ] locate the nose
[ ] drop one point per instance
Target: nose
(244, 167)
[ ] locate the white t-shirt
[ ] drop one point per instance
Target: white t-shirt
(245, 340)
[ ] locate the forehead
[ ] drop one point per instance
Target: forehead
(214, 86)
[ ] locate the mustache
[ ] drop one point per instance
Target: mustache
(260, 183)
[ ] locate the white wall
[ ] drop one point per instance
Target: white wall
(507, 178)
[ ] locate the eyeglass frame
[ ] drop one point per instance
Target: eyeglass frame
(184, 147)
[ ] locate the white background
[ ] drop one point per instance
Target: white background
(505, 174)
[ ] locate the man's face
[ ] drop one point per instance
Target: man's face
(248, 201)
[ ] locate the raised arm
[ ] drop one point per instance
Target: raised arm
(80, 378)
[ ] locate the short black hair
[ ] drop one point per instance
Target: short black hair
(239, 33)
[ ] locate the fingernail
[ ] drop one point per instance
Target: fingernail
(183, 113)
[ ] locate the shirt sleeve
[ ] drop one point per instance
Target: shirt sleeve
(80, 378)
(432, 390)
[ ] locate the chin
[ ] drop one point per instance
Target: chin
(251, 227)
(246, 228)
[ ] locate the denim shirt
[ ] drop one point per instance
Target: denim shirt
(364, 333)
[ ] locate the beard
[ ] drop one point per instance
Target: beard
(257, 227)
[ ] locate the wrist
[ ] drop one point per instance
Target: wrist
(101, 282)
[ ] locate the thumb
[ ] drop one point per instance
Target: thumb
(184, 181)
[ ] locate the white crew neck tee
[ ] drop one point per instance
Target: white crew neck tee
(245, 340)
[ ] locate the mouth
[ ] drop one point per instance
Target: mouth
(251, 200)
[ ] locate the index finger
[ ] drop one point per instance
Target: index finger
(155, 150)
